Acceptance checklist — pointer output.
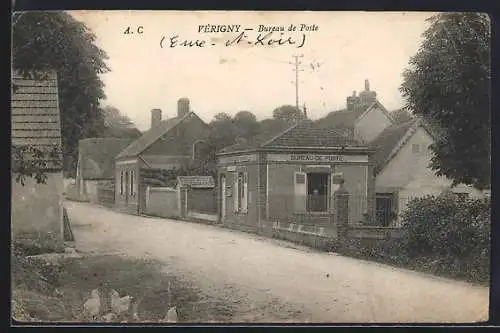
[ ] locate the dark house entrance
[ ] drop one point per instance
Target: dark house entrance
(317, 192)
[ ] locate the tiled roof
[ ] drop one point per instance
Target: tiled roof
(196, 181)
(98, 156)
(387, 141)
(306, 134)
(35, 120)
(341, 119)
(150, 137)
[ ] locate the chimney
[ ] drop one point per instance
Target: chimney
(352, 101)
(367, 96)
(182, 107)
(155, 117)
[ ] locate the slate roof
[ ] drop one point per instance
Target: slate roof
(35, 119)
(196, 181)
(97, 156)
(306, 134)
(386, 142)
(152, 135)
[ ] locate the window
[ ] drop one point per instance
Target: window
(317, 192)
(132, 193)
(385, 206)
(415, 148)
(121, 182)
(241, 192)
(311, 192)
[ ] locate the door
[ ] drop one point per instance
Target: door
(222, 198)
(126, 188)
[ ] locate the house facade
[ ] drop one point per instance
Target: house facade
(168, 145)
(291, 178)
(402, 170)
(96, 165)
(36, 126)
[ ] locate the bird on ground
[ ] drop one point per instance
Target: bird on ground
(92, 306)
(119, 304)
(171, 316)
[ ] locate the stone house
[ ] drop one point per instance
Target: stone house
(36, 126)
(402, 170)
(168, 145)
(291, 177)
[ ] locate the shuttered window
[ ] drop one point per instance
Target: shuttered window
(300, 192)
(240, 192)
(121, 182)
(132, 174)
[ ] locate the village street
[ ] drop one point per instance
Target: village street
(263, 278)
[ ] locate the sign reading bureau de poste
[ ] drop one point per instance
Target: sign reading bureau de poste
(317, 158)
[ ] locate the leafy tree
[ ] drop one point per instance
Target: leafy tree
(56, 41)
(448, 83)
(246, 124)
(118, 125)
(401, 116)
(288, 113)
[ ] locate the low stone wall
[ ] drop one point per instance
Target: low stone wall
(374, 232)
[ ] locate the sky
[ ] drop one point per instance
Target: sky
(349, 47)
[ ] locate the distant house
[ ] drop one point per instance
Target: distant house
(168, 145)
(402, 155)
(402, 170)
(96, 165)
(36, 124)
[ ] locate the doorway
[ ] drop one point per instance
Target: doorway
(317, 192)
(126, 187)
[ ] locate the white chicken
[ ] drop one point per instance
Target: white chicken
(120, 305)
(171, 316)
(92, 306)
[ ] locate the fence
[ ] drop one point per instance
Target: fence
(106, 194)
(202, 200)
(162, 202)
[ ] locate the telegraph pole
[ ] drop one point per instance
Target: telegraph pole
(297, 69)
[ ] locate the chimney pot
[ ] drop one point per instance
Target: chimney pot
(182, 107)
(367, 85)
(155, 117)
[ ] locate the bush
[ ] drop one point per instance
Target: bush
(449, 234)
(37, 243)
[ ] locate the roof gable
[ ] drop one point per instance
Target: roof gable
(97, 156)
(373, 106)
(35, 118)
(392, 140)
(153, 134)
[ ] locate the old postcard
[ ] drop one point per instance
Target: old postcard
(187, 167)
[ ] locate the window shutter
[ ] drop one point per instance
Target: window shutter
(121, 182)
(235, 192)
(300, 192)
(244, 199)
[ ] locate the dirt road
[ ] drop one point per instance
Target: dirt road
(266, 281)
